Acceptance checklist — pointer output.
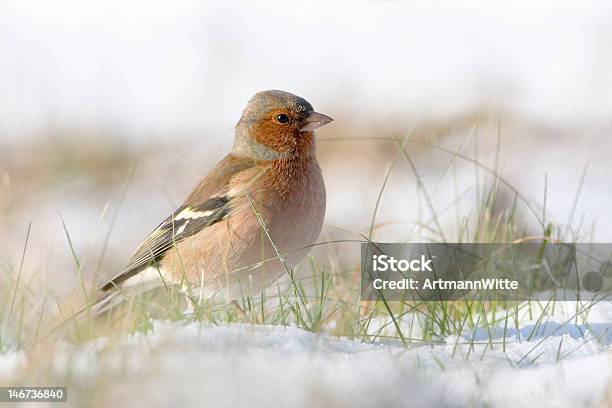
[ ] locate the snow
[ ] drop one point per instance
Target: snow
(574, 383)
(565, 364)
(10, 362)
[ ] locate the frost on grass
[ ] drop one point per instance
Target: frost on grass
(555, 363)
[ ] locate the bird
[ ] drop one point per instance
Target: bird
(250, 220)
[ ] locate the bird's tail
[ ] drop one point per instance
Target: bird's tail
(104, 303)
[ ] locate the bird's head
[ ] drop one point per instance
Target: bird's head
(277, 124)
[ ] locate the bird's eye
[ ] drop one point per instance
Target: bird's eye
(282, 118)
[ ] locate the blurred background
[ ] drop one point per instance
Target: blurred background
(110, 111)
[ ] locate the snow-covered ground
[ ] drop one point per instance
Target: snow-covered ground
(562, 364)
(152, 72)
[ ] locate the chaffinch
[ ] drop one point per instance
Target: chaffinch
(254, 215)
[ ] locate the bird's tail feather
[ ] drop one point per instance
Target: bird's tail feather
(101, 305)
(106, 302)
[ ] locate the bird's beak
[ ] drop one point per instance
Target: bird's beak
(314, 121)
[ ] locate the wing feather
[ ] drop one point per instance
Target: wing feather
(207, 204)
(186, 221)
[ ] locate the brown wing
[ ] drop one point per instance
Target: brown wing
(207, 204)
